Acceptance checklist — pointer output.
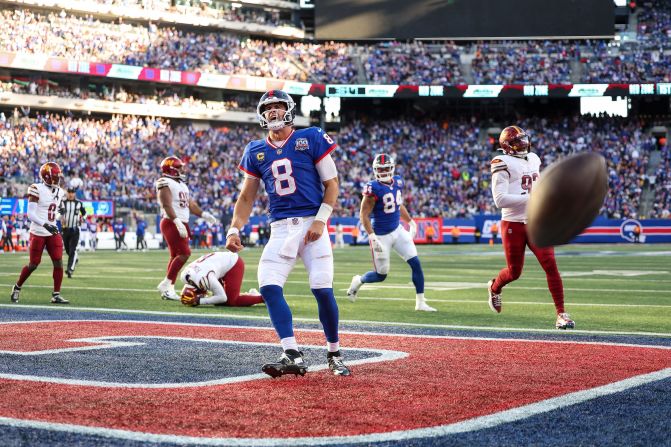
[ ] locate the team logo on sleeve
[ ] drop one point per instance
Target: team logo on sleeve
(302, 144)
(260, 156)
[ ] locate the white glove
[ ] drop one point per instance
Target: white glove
(209, 218)
(375, 243)
(413, 228)
(181, 229)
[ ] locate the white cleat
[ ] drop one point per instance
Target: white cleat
(167, 291)
(253, 291)
(424, 307)
(354, 287)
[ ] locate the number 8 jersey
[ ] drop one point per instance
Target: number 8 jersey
(388, 200)
(49, 199)
(288, 171)
(514, 176)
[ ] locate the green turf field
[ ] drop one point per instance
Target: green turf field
(614, 288)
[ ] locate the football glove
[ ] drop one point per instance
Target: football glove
(209, 218)
(53, 229)
(413, 228)
(181, 229)
(375, 243)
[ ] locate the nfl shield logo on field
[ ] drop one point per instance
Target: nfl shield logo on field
(302, 144)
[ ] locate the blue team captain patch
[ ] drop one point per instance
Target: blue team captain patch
(302, 144)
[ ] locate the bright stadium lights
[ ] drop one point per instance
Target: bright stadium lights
(611, 106)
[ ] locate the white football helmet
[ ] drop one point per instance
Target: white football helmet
(383, 168)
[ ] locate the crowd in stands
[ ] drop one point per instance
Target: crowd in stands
(167, 96)
(445, 161)
(562, 61)
(661, 206)
(164, 47)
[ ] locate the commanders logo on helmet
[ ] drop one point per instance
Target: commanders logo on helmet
(514, 141)
(50, 173)
(173, 167)
(191, 296)
(284, 119)
(383, 168)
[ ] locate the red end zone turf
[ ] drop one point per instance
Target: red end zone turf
(443, 380)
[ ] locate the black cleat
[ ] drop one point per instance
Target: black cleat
(337, 366)
(56, 298)
(14, 297)
(69, 273)
(290, 362)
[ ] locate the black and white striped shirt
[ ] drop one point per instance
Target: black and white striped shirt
(72, 211)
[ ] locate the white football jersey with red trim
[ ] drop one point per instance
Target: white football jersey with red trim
(49, 200)
(180, 197)
(516, 176)
(219, 263)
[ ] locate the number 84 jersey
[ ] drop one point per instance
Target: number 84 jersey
(515, 176)
(388, 200)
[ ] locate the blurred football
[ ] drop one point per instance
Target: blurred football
(566, 199)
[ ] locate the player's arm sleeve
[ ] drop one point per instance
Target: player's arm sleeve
(218, 292)
(33, 191)
(369, 191)
(247, 164)
(162, 183)
(322, 145)
(32, 213)
(502, 199)
(327, 168)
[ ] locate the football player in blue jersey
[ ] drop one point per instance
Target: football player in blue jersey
(301, 181)
(383, 198)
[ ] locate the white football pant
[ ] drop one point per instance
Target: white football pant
(399, 240)
(286, 245)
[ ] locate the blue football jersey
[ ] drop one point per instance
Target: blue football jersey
(288, 171)
(386, 214)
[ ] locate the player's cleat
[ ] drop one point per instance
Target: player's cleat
(290, 362)
(167, 290)
(69, 273)
(564, 321)
(354, 287)
(424, 307)
(56, 298)
(14, 297)
(337, 366)
(494, 298)
(253, 291)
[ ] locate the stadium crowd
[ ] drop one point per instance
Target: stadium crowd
(641, 60)
(444, 160)
(168, 96)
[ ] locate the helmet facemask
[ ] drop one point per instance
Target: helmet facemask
(284, 119)
(383, 168)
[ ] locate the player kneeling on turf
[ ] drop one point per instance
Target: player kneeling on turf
(220, 273)
(383, 197)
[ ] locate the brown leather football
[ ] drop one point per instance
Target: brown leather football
(566, 199)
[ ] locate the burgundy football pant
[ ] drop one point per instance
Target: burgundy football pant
(515, 241)
(54, 246)
(178, 247)
(232, 282)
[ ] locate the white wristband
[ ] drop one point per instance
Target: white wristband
(232, 231)
(324, 212)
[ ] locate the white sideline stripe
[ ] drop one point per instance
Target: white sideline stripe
(109, 343)
(377, 334)
(478, 423)
(408, 286)
(316, 320)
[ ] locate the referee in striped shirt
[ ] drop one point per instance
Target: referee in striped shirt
(72, 211)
